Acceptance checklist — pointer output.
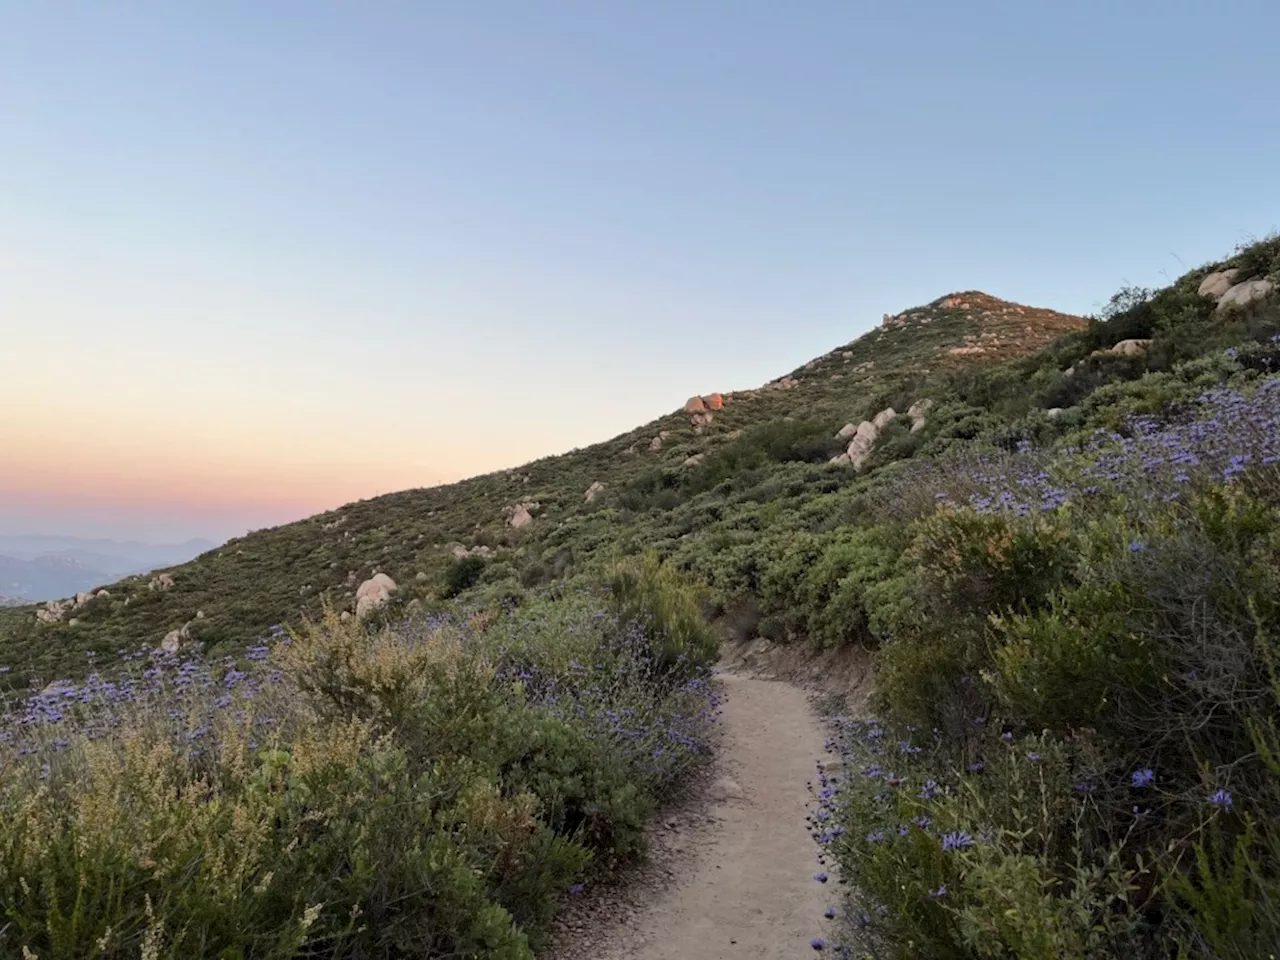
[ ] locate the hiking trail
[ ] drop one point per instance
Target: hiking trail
(732, 873)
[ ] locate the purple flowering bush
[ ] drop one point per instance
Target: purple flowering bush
(1079, 746)
(432, 788)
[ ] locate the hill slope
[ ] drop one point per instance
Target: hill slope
(1063, 569)
(231, 595)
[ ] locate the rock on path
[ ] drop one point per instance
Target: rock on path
(743, 885)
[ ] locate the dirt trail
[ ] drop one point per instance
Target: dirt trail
(734, 875)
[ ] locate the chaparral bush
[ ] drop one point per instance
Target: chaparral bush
(430, 789)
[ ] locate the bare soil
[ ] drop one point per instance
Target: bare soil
(732, 871)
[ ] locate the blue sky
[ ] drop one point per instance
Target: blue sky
(260, 259)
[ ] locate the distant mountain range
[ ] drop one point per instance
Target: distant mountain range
(41, 567)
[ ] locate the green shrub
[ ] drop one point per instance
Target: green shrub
(463, 574)
(667, 610)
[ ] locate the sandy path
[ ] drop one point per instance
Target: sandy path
(742, 883)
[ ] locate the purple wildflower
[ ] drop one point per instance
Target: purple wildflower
(956, 840)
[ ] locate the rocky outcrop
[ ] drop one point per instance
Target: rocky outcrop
(56, 610)
(704, 405)
(1243, 294)
(521, 515)
(163, 582)
(863, 438)
(479, 550)
(593, 491)
(52, 612)
(175, 640)
(1123, 348)
(918, 413)
(862, 443)
(847, 431)
(1218, 283)
(374, 593)
(1130, 348)
(694, 460)
(656, 442)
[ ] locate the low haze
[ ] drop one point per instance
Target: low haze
(260, 260)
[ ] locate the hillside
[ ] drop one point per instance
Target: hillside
(234, 594)
(1056, 541)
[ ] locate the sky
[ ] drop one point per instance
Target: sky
(261, 259)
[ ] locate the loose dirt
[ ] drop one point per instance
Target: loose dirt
(732, 872)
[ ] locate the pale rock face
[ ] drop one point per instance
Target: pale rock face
(1131, 348)
(593, 491)
(378, 583)
(883, 418)
(695, 405)
(162, 582)
(1218, 283)
(521, 516)
(83, 598)
(1053, 413)
(172, 641)
(842, 460)
(374, 593)
(693, 461)
(53, 611)
(655, 443)
(370, 602)
(1243, 294)
(459, 552)
(860, 446)
(847, 431)
(918, 412)
(714, 401)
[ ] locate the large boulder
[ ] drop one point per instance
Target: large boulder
(521, 515)
(53, 611)
(862, 443)
(378, 582)
(1131, 348)
(163, 582)
(695, 405)
(884, 417)
(847, 431)
(1218, 283)
(593, 491)
(918, 413)
(1243, 294)
(714, 401)
(374, 593)
(176, 639)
